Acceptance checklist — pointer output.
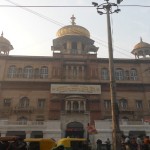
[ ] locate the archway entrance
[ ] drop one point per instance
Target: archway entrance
(75, 129)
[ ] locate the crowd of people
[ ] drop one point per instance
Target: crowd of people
(107, 144)
(135, 143)
(17, 144)
(127, 143)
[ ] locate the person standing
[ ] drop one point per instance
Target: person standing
(108, 145)
(139, 142)
(99, 144)
(146, 143)
(133, 144)
(127, 143)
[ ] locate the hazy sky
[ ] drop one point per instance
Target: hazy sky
(31, 30)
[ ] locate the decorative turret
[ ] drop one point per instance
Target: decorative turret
(142, 50)
(5, 46)
(73, 39)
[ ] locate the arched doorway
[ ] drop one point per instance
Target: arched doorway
(74, 129)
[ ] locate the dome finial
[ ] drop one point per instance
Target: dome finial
(73, 20)
(2, 34)
(141, 39)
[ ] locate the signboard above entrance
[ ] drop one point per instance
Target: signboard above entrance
(75, 89)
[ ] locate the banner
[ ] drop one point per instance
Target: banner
(91, 129)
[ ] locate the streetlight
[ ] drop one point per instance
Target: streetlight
(119, 1)
(106, 8)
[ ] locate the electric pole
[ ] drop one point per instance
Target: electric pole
(106, 8)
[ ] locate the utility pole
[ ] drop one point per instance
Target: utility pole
(116, 133)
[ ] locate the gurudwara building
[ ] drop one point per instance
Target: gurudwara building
(58, 96)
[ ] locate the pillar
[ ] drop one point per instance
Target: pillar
(72, 71)
(82, 72)
(67, 75)
(77, 72)
(66, 107)
(84, 105)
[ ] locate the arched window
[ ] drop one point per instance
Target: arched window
(119, 74)
(133, 74)
(104, 74)
(24, 102)
(44, 72)
(12, 72)
(28, 72)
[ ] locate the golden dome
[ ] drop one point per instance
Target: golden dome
(73, 30)
(142, 44)
(4, 40)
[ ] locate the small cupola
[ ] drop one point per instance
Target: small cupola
(141, 50)
(5, 46)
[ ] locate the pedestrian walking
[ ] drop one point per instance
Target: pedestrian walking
(99, 144)
(108, 144)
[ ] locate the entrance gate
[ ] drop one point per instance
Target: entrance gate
(75, 129)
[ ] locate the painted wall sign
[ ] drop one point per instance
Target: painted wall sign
(75, 89)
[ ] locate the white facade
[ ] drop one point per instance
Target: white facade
(53, 129)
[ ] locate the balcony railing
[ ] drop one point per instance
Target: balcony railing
(126, 109)
(23, 109)
(23, 122)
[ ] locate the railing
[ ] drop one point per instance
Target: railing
(125, 109)
(129, 109)
(134, 122)
(77, 112)
(6, 122)
(23, 109)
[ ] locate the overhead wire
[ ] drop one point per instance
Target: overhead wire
(68, 6)
(41, 6)
(36, 13)
(58, 23)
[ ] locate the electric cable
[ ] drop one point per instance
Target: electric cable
(68, 6)
(60, 24)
